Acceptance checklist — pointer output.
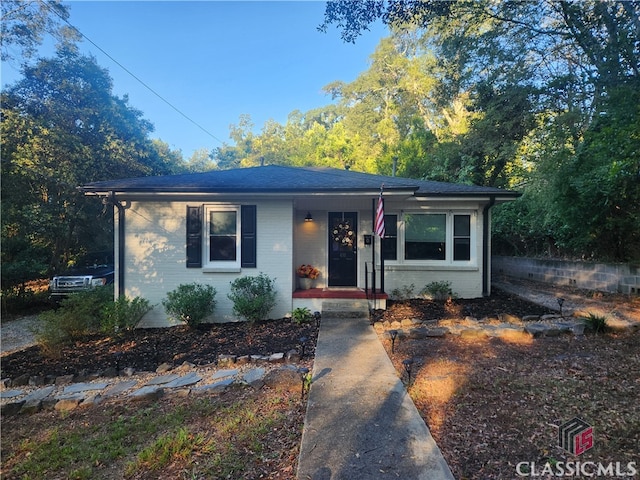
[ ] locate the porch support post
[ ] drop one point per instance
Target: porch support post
(381, 268)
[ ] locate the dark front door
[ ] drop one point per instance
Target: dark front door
(343, 252)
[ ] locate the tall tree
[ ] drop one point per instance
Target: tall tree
(24, 24)
(543, 79)
(62, 127)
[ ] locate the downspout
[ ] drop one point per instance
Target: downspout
(486, 253)
(118, 205)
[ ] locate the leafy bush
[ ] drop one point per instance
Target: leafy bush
(190, 303)
(78, 315)
(403, 293)
(27, 298)
(123, 314)
(253, 297)
(596, 323)
(301, 315)
(437, 290)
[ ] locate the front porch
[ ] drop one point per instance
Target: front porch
(313, 298)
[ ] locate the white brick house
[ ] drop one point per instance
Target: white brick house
(214, 227)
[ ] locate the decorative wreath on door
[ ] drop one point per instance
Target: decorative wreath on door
(343, 234)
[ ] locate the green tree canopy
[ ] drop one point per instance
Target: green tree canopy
(62, 127)
(24, 24)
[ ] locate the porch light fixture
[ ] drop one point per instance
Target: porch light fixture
(393, 334)
(408, 364)
(308, 218)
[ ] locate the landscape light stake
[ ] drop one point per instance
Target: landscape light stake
(408, 364)
(561, 302)
(317, 317)
(303, 341)
(306, 381)
(393, 334)
(118, 356)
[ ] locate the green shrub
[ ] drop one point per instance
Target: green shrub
(78, 315)
(403, 293)
(596, 323)
(301, 315)
(123, 314)
(253, 297)
(437, 290)
(190, 303)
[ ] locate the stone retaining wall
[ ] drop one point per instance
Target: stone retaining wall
(619, 278)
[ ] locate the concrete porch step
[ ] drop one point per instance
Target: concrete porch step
(346, 308)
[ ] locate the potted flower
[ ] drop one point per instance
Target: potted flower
(307, 274)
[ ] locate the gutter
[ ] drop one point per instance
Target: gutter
(486, 253)
(121, 244)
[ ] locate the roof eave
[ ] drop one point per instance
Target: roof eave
(162, 192)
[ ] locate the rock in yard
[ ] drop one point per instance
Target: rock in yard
(535, 329)
(164, 368)
(437, 331)
(12, 408)
(286, 379)
(147, 393)
(254, 377)
(226, 360)
(68, 404)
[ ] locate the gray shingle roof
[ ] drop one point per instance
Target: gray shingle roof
(281, 179)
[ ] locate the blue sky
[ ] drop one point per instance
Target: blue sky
(217, 60)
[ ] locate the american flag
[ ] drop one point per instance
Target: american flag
(379, 223)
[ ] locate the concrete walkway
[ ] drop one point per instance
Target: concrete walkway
(360, 421)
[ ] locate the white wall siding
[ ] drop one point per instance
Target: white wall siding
(155, 237)
(311, 244)
(465, 283)
(465, 279)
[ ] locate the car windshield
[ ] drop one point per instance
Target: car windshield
(97, 259)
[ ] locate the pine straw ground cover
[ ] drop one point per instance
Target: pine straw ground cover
(493, 403)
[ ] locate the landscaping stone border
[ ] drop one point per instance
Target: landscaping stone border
(29, 394)
(505, 325)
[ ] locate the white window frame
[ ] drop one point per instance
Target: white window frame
(220, 264)
(448, 259)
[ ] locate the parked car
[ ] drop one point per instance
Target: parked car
(93, 270)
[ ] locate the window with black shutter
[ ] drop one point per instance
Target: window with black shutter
(228, 233)
(248, 241)
(194, 237)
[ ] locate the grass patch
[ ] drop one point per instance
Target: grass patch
(239, 434)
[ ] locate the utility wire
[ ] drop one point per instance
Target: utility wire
(134, 76)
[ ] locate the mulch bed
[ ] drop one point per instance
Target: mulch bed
(145, 349)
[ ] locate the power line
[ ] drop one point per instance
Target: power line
(134, 76)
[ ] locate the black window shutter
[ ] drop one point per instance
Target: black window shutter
(248, 237)
(194, 237)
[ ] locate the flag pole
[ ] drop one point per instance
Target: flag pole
(373, 252)
(381, 254)
(379, 230)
